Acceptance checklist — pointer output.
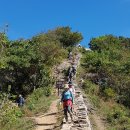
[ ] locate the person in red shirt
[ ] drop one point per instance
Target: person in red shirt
(67, 99)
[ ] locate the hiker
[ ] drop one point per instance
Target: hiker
(67, 99)
(70, 55)
(20, 101)
(70, 69)
(72, 89)
(70, 73)
(70, 76)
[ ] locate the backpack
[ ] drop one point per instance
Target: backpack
(67, 96)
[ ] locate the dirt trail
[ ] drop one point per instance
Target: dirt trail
(98, 122)
(48, 121)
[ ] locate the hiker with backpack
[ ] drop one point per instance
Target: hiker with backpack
(67, 100)
(70, 55)
(72, 89)
(73, 70)
(70, 70)
(70, 74)
(20, 101)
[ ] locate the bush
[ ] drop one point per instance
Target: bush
(116, 115)
(39, 101)
(11, 116)
(90, 88)
(95, 100)
(109, 93)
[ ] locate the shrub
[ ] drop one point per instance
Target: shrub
(90, 88)
(109, 93)
(116, 114)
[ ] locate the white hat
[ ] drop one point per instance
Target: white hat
(66, 86)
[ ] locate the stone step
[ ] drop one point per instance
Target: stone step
(80, 117)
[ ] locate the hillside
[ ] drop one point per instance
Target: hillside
(26, 68)
(31, 68)
(106, 73)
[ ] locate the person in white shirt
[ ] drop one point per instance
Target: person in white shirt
(71, 88)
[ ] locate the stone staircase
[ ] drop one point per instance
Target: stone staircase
(80, 113)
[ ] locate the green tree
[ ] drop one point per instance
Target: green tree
(67, 37)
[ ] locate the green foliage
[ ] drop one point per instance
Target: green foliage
(90, 88)
(109, 93)
(94, 61)
(3, 38)
(116, 115)
(111, 65)
(28, 64)
(104, 43)
(51, 54)
(39, 101)
(25, 68)
(11, 116)
(92, 91)
(107, 66)
(20, 53)
(61, 35)
(3, 46)
(68, 38)
(20, 123)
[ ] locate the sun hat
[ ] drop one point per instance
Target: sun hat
(66, 86)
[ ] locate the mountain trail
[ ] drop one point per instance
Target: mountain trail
(48, 121)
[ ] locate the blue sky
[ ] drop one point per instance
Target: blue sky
(92, 18)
